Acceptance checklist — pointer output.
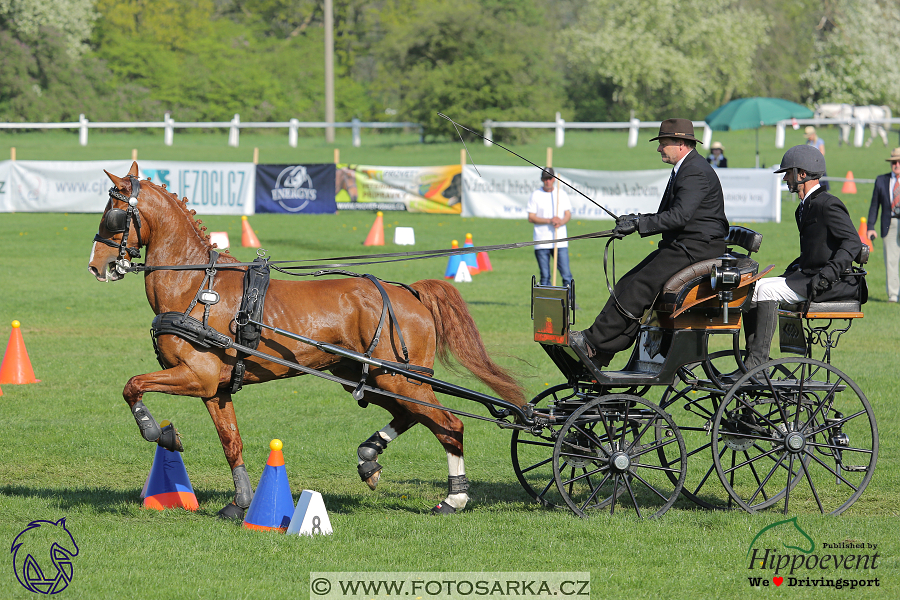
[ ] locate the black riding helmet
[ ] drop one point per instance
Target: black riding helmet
(802, 158)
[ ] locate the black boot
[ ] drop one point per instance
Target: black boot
(759, 329)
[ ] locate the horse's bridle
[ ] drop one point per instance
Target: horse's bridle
(117, 220)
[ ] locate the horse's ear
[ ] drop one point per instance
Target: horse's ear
(117, 181)
(134, 169)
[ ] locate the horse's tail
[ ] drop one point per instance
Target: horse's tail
(457, 335)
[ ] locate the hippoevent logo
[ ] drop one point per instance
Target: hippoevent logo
(783, 554)
(294, 189)
(42, 556)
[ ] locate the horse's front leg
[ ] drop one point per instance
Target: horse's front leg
(221, 409)
(179, 381)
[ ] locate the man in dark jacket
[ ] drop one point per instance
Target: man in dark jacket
(886, 196)
(691, 219)
(828, 245)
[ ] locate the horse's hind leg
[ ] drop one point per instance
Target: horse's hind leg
(221, 409)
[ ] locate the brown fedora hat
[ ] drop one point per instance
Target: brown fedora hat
(676, 128)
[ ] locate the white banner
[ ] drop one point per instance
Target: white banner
(503, 192)
(59, 186)
(213, 188)
(82, 186)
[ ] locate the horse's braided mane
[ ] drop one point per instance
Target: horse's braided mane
(224, 255)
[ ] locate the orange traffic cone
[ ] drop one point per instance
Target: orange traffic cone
(248, 238)
(481, 259)
(863, 233)
(16, 367)
(376, 234)
(849, 185)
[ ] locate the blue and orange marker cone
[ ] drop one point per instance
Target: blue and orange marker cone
(272, 505)
(482, 260)
(168, 485)
(471, 259)
(453, 262)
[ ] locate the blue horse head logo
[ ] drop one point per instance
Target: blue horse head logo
(42, 556)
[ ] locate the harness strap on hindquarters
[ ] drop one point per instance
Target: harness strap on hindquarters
(386, 308)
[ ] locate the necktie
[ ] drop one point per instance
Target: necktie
(800, 212)
(896, 194)
(667, 193)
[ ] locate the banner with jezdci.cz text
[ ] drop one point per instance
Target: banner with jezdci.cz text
(413, 189)
(503, 192)
(212, 188)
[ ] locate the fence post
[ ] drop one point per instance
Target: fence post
(488, 133)
(292, 133)
(633, 131)
(860, 133)
(234, 131)
(707, 134)
(779, 134)
(560, 131)
(357, 141)
(169, 135)
(82, 130)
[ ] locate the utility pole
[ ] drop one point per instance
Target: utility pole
(329, 71)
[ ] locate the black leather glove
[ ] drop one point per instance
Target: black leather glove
(817, 285)
(626, 225)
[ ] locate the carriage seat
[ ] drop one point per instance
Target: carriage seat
(836, 309)
(693, 282)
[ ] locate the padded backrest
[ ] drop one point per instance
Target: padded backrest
(747, 239)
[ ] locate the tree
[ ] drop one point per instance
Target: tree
(472, 60)
(661, 58)
(856, 57)
(73, 19)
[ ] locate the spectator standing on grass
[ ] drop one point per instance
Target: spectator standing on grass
(549, 209)
(813, 139)
(717, 156)
(886, 197)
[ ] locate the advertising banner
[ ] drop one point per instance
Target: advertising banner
(503, 192)
(59, 186)
(414, 189)
(295, 189)
(4, 183)
(212, 188)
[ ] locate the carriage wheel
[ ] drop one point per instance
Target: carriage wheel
(798, 421)
(619, 450)
(699, 391)
(532, 453)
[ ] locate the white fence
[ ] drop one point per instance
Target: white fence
(858, 125)
(234, 127)
(560, 125)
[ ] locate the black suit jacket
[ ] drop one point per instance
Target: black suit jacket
(693, 208)
(881, 198)
(828, 246)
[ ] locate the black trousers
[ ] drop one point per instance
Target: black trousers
(636, 291)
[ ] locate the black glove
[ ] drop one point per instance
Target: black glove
(626, 225)
(817, 285)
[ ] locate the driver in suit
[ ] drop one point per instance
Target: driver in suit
(691, 219)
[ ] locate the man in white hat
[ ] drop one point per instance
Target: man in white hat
(716, 156)
(886, 197)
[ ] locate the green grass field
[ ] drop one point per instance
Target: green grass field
(71, 449)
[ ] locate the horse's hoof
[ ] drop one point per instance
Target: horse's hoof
(370, 473)
(232, 512)
(169, 438)
(443, 509)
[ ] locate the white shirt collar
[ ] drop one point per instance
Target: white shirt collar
(810, 192)
(678, 164)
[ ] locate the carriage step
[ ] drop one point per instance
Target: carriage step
(855, 468)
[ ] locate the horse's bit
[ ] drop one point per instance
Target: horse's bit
(118, 220)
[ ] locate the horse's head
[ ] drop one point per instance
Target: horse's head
(119, 237)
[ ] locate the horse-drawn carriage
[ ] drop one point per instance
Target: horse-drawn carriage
(792, 430)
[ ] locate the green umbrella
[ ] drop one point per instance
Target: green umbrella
(752, 113)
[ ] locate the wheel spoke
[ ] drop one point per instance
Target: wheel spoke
(812, 487)
(634, 500)
(650, 487)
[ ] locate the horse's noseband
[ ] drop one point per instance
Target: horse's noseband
(117, 220)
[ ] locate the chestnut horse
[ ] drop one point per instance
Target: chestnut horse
(343, 312)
